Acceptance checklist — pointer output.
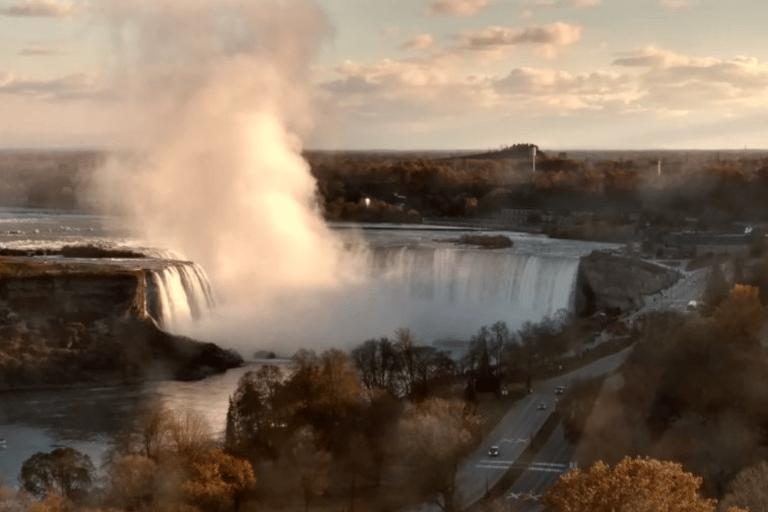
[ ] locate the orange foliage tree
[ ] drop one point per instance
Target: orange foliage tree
(635, 484)
(741, 315)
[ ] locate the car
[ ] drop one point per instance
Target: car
(493, 451)
(560, 390)
(542, 406)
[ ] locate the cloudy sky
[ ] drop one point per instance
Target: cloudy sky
(448, 74)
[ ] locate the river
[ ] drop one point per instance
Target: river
(444, 289)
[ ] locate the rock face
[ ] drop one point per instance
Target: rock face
(69, 322)
(608, 282)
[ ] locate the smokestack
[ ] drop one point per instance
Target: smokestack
(533, 153)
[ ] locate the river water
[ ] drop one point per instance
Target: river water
(443, 287)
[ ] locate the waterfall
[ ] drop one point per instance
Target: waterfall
(455, 290)
(182, 292)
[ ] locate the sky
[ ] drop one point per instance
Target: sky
(445, 74)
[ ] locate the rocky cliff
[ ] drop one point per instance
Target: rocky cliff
(609, 282)
(73, 321)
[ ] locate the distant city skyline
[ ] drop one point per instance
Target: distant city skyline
(443, 74)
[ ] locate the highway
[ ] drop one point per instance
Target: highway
(479, 472)
(556, 456)
(515, 430)
(554, 459)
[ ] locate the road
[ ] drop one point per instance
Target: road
(480, 472)
(554, 459)
(556, 456)
(689, 287)
(515, 430)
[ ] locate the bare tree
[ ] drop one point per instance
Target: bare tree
(406, 345)
(500, 337)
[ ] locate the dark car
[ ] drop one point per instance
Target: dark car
(542, 406)
(493, 451)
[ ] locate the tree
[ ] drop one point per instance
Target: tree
(749, 489)
(153, 426)
(133, 482)
(636, 485)
(217, 482)
(434, 436)
(501, 336)
(63, 471)
(378, 364)
(741, 315)
(253, 417)
(716, 291)
(189, 434)
(406, 345)
(311, 465)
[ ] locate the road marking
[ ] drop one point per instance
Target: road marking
(543, 468)
(515, 440)
(528, 496)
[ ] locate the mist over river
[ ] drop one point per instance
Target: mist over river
(413, 276)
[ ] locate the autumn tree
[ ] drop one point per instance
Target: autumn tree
(217, 481)
(63, 471)
(741, 315)
(636, 485)
(132, 482)
(254, 416)
(301, 472)
(434, 436)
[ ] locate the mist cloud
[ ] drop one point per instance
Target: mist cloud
(219, 91)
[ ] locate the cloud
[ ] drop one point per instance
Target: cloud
(565, 91)
(548, 38)
(79, 86)
(651, 56)
(44, 9)
(458, 8)
(675, 4)
(420, 42)
(684, 83)
(537, 5)
(39, 49)
(433, 91)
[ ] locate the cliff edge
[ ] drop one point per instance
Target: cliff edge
(78, 322)
(612, 283)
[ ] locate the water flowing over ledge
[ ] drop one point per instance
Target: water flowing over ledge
(515, 285)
